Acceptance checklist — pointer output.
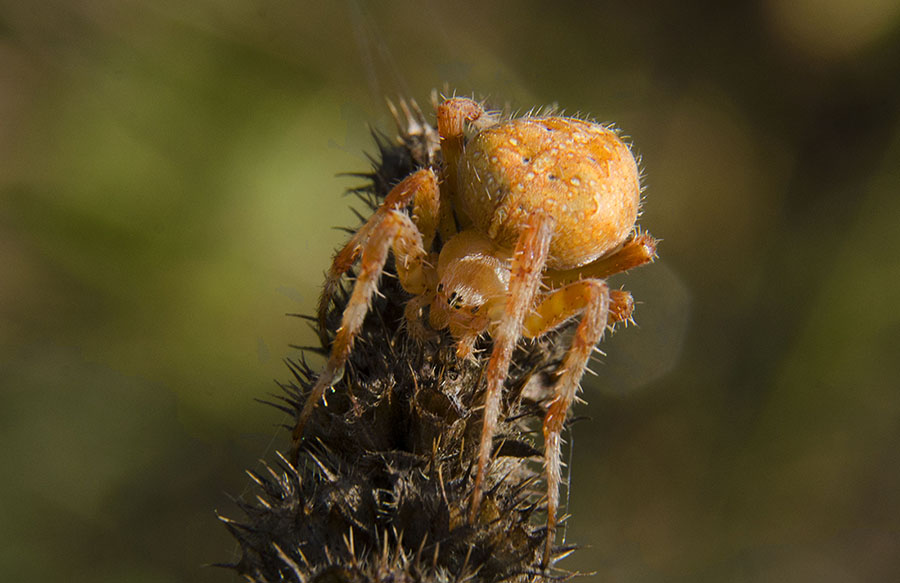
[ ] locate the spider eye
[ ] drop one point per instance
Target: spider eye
(453, 300)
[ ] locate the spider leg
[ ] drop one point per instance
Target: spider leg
(559, 305)
(599, 309)
(636, 251)
(420, 189)
(528, 261)
(414, 322)
(452, 116)
(466, 337)
(390, 229)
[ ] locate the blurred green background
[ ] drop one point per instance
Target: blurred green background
(168, 180)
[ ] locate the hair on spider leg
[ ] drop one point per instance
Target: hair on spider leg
(590, 371)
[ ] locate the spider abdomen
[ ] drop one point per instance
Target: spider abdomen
(580, 173)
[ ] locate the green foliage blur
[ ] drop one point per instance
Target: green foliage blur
(169, 177)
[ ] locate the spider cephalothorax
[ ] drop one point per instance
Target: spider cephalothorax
(523, 204)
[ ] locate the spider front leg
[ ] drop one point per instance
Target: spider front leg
(528, 262)
(566, 302)
(599, 309)
(452, 116)
(420, 189)
(389, 229)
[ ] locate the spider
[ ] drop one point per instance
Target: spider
(533, 214)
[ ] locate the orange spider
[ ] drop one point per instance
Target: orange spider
(523, 204)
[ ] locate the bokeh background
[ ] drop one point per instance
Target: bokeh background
(168, 184)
